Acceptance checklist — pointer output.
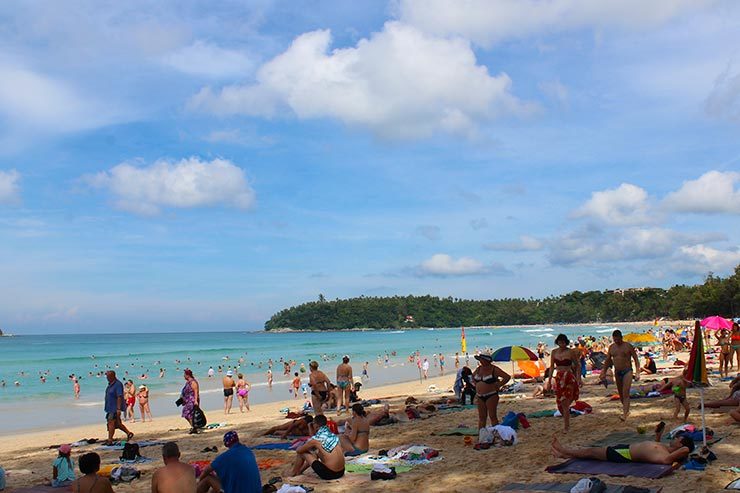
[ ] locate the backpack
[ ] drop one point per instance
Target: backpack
(130, 451)
(199, 418)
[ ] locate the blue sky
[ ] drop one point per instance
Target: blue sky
(199, 166)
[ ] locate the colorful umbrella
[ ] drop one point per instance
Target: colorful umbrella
(514, 353)
(696, 371)
(463, 342)
(716, 323)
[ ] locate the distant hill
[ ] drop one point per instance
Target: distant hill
(716, 296)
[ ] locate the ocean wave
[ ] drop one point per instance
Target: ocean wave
(602, 331)
(88, 404)
(542, 329)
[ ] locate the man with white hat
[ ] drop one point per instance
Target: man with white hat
(229, 385)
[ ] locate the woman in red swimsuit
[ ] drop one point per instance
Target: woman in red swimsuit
(564, 364)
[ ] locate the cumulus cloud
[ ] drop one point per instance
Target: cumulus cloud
(208, 60)
(490, 21)
(399, 83)
(712, 192)
(428, 231)
(444, 265)
(724, 99)
(701, 259)
(9, 186)
(183, 184)
(590, 245)
(525, 244)
(626, 205)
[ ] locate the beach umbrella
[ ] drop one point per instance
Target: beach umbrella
(513, 353)
(696, 371)
(716, 323)
(640, 338)
(463, 343)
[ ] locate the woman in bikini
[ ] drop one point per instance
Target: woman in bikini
(356, 438)
(91, 482)
(488, 379)
(242, 392)
(725, 352)
(143, 396)
(564, 364)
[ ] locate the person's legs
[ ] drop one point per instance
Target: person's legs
(209, 483)
(302, 462)
(686, 409)
(111, 430)
(316, 403)
(595, 453)
(565, 411)
(482, 413)
(346, 394)
(492, 407)
(120, 426)
(676, 406)
(625, 394)
(141, 411)
(721, 403)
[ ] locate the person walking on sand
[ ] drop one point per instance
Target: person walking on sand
(228, 384)
(175, 476)
(565, 365)
(319, 383)
(190, 395)
(621, 354)
(425, 368)
(113, 405)
(242, 392)
(143, 396)
(344, 384)
(725, 352)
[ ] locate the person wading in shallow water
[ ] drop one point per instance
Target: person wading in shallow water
(621, 354)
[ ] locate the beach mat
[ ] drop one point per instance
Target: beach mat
(593, 467)
(561, 487)
(458, 432)
(36, 489)
(273, 446)
(546, 413)
(619, 437)
(367, 468)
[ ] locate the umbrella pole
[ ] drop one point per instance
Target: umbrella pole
(703, 421)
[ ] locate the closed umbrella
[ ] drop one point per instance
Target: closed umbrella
(696, 371)
(463, 343)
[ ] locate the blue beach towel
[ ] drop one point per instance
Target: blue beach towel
(273, 446)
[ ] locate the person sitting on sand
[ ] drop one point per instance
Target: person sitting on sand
(678, 386)
(319, 383)
(235, 470)
(733, 399)
(63, 468)
(91, 482)
(356, 437)
(175, 476)
(650, 367)
(650, 452)
(298, 427)
(464, 383)
(321, 453)
(488, 379)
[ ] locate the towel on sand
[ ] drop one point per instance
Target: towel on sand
(593, 467)
(546, 413)
(38, 489)
(367, 468)
(273, 446)
(459, 432)
(561, 487)
(142, 444)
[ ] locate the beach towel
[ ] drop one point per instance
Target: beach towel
(592, 467)
(563, 487)
(273, 446)
(367, 468)
(546, 413)
(458, 432)
(41, 488)
(263, 464)
(139, 460)
(141, 444)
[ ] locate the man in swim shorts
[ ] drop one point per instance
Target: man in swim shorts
(321, 452)
(319, 383)
(650, 452)
(229, 385)
(344, 383)
(620, 354)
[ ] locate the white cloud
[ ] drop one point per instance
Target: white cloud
(400, 83)
(712, 192)
(243, 137)
(626, 205)
(591, 245)
(429, 232)
(491, 21)
(184, 184)
(701, 259)
(444, 265)
(208, 60)
(555, 90)
(724, 99)
(9, 186)
(525, 244)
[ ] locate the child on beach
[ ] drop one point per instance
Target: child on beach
(295, 386)
(678, 386)
(63, 472)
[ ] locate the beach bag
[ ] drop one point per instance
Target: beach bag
(124, 474)
(130, 451)
(199, 418)
(485, 436)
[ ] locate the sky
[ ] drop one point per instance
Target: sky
(185, 165)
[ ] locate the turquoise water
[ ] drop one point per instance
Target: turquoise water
(37, 405)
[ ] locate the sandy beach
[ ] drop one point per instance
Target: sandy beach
(28, 459)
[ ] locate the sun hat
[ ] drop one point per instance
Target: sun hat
(65, 449)
(229, 373)
(142, 386)
(484, 357)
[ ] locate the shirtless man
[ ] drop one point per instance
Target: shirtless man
(620, 355)
(175, 476)
(322, 453)
(344, 383)
(319, 383)
(650, 452)
(229, 385)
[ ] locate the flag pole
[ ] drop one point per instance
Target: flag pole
(703, 421)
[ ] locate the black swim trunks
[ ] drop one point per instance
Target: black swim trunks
(619, 453)
(228, 392)
(324, 472)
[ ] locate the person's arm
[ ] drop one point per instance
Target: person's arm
(552, 369)
(119, 399)
(54, 472)
(505, 377)
(307, 447)
(575, 364)
(196, 391)
(677, 455)
(155, 488)
(607, 365)
(637, 362)
(206, 471)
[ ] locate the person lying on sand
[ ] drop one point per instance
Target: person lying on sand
(733, 399)
(322, 453)
(650, 452)
(298, 427)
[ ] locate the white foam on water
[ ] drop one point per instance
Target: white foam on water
(543, 329)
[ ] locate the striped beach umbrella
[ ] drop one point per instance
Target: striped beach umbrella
(514, 353)
(696, 371)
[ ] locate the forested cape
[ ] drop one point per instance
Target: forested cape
(716, 296)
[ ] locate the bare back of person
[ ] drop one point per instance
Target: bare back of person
(175, 477)
(228, 382)
(92, 483)
(334, 460)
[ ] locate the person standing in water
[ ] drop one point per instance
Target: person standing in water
(621, 354)
(228, 384)
(242, 392)
(344, 383)
(76, 388)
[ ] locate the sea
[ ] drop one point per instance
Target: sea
(36, 404)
